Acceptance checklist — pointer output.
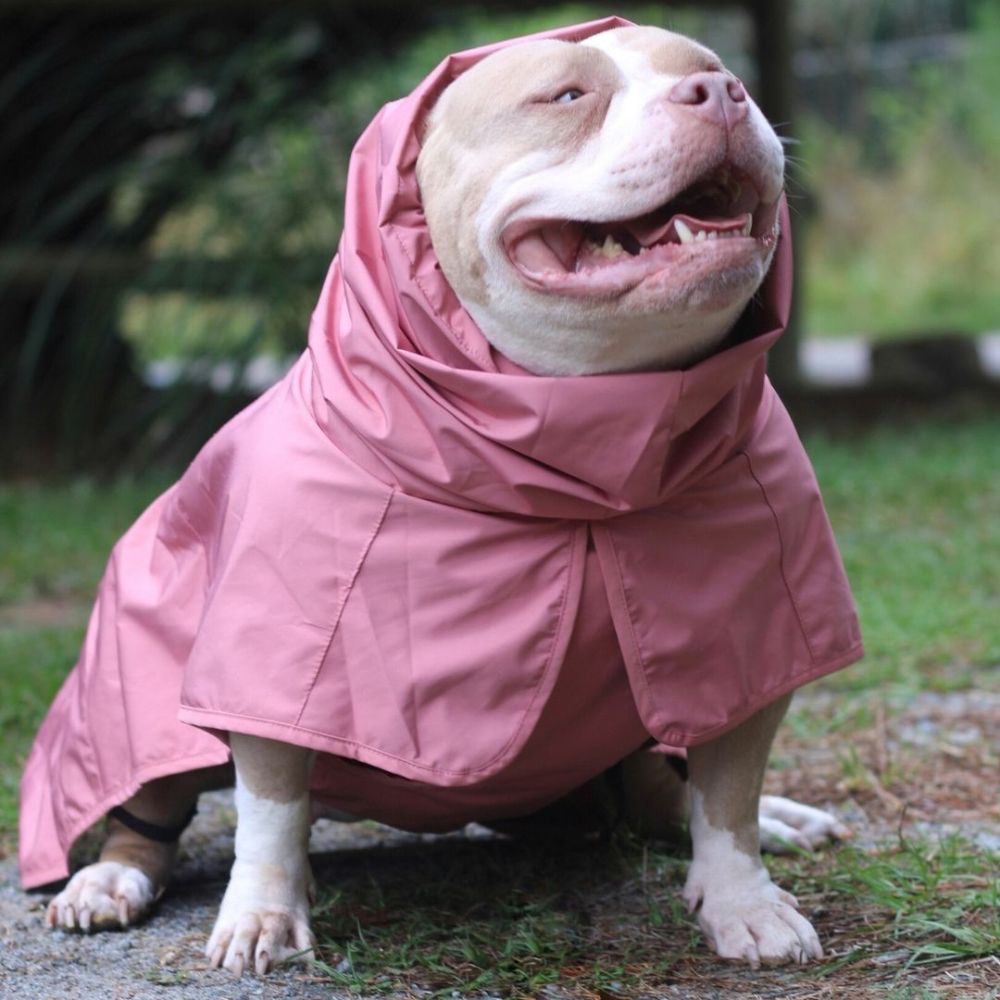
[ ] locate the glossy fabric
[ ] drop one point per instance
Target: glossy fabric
(409, 552)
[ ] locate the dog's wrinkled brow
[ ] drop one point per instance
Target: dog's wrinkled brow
(666, 52)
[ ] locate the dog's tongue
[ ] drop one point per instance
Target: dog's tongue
(549, 248)
(569, 246)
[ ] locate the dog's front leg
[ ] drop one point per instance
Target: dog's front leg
(743, 913)
(264, 916)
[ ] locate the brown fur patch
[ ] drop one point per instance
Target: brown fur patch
(729, 773)
(272, 770)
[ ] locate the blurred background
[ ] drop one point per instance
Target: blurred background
(173, 178)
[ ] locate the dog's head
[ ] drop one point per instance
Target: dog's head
(608, 205)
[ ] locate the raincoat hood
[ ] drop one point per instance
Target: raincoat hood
(409, 554)
(411, 371)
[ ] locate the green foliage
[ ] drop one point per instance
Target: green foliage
(279, 197)
(499, 920)
(904, 240)
(56, 539)
(936, 898)
(33, 663)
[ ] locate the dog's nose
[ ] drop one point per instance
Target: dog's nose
(716, 97)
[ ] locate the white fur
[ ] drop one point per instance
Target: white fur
(625, 170)
(264, 916)
(786, 825)
(105, 894)
(742, 913)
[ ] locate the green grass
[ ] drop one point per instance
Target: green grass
(606, 920)
(56, 539)
(915, 513)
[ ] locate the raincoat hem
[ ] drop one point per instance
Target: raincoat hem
(678, 737)
(339, 746)
(33, 877)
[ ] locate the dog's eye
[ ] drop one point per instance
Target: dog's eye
(568, 96)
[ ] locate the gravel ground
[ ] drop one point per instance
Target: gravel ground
(163, 958)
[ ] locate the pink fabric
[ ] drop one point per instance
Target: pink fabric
(397, 554)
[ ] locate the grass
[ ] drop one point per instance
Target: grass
(914, 510)
(606, 921)
(909, 912)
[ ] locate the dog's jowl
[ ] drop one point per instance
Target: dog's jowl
(525, 511)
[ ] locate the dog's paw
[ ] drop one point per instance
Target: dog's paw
(105, 894)
(263, 920)
(786, 825)
(750, 919)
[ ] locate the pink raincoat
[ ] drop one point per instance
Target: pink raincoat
(470, 588)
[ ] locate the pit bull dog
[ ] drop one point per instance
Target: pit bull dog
(584, 397)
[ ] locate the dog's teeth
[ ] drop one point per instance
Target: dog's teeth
(701, 236)
(684, 233)
(713, 235)
(611, 248)
(748, 225)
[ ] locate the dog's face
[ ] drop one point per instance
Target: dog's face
(609, 205)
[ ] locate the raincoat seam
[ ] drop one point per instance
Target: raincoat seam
(781, 556)
(621, 599)
(343, 602)
(571, 575)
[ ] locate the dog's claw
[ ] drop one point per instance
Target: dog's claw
(752, 920)
(263, 919)
(105, 894)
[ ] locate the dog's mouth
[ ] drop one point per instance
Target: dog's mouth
(722, 209)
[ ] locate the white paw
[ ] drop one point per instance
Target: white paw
(786, 825)
(105, 894)
(750, 919)
(263, 920)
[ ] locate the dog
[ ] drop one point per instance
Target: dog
(605, 204)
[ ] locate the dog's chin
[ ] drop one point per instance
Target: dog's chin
(661, 324)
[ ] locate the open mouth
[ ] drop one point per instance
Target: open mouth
(722, 208)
